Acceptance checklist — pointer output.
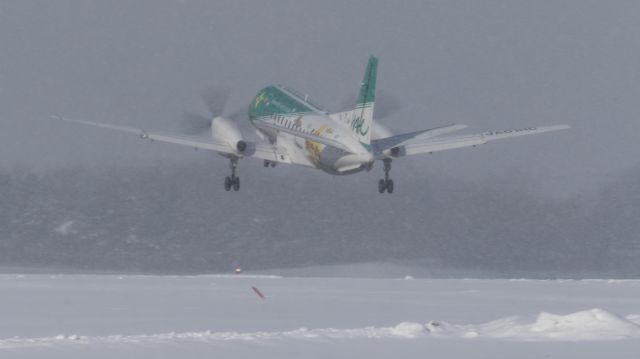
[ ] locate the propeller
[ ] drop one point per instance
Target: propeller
(194, 124)
(386, 104)
(215, 99)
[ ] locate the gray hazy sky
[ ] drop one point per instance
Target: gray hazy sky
(488, 64)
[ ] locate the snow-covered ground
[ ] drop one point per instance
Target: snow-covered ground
(221, 316)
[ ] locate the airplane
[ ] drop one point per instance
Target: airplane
(296, 131)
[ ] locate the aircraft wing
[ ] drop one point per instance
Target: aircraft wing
(383, 144)
(263, 151)
(439, 143)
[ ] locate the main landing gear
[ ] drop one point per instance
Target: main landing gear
(268, 163)
(232, 181)
(386, 184)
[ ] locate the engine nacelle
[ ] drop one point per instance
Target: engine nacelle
(382, 131)
(241, 146)
(227, 131)
(395, 152)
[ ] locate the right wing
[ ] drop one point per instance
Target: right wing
(263, 151)
(435, 144)
(384, 144)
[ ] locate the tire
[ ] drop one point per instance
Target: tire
(227, 183)
(390, 186)
(381, 186)
(236, 184)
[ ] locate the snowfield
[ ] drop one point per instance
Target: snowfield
(106, 316)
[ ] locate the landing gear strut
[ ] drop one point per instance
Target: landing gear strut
(232, 181)
(386, 184)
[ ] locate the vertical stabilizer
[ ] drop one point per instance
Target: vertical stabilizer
(362, 122)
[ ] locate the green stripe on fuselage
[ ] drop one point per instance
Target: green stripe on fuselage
(277, 100)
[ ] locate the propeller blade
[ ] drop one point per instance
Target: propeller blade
(239, 115)
(385, 106)
(194, 124)
(215, 98)
(348, 103)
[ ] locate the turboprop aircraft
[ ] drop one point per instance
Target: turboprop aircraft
(296, 131)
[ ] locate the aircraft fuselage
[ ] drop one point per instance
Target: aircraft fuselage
(290, 122)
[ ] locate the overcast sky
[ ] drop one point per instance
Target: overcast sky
(489, 64)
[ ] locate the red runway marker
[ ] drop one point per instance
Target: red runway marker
(258, 292)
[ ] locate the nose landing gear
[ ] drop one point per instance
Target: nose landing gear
(232, 181)
(386, 184)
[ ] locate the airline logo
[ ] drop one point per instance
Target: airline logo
(260, 99)
(356, 126)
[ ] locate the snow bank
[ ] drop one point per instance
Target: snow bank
(594, 324)
(409, 330)
(587, 325)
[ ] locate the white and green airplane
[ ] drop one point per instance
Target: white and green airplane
(296, 131)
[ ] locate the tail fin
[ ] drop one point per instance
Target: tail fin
(362, 121)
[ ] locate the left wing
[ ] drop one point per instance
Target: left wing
(435, 144)
(257, 150)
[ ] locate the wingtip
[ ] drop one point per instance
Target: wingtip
(555, 127)
(562, 127)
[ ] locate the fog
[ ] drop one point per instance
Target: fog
(168, 219)
(558, 204)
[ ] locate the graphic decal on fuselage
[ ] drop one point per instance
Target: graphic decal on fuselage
(262, 97)
(314, 149)
(283, 107)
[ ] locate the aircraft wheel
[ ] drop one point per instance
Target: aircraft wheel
(273, 164)
(381, 186)
(236, 184)
(227, 183)
(390, 186)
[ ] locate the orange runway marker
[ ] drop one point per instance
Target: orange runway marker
(258, 293)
